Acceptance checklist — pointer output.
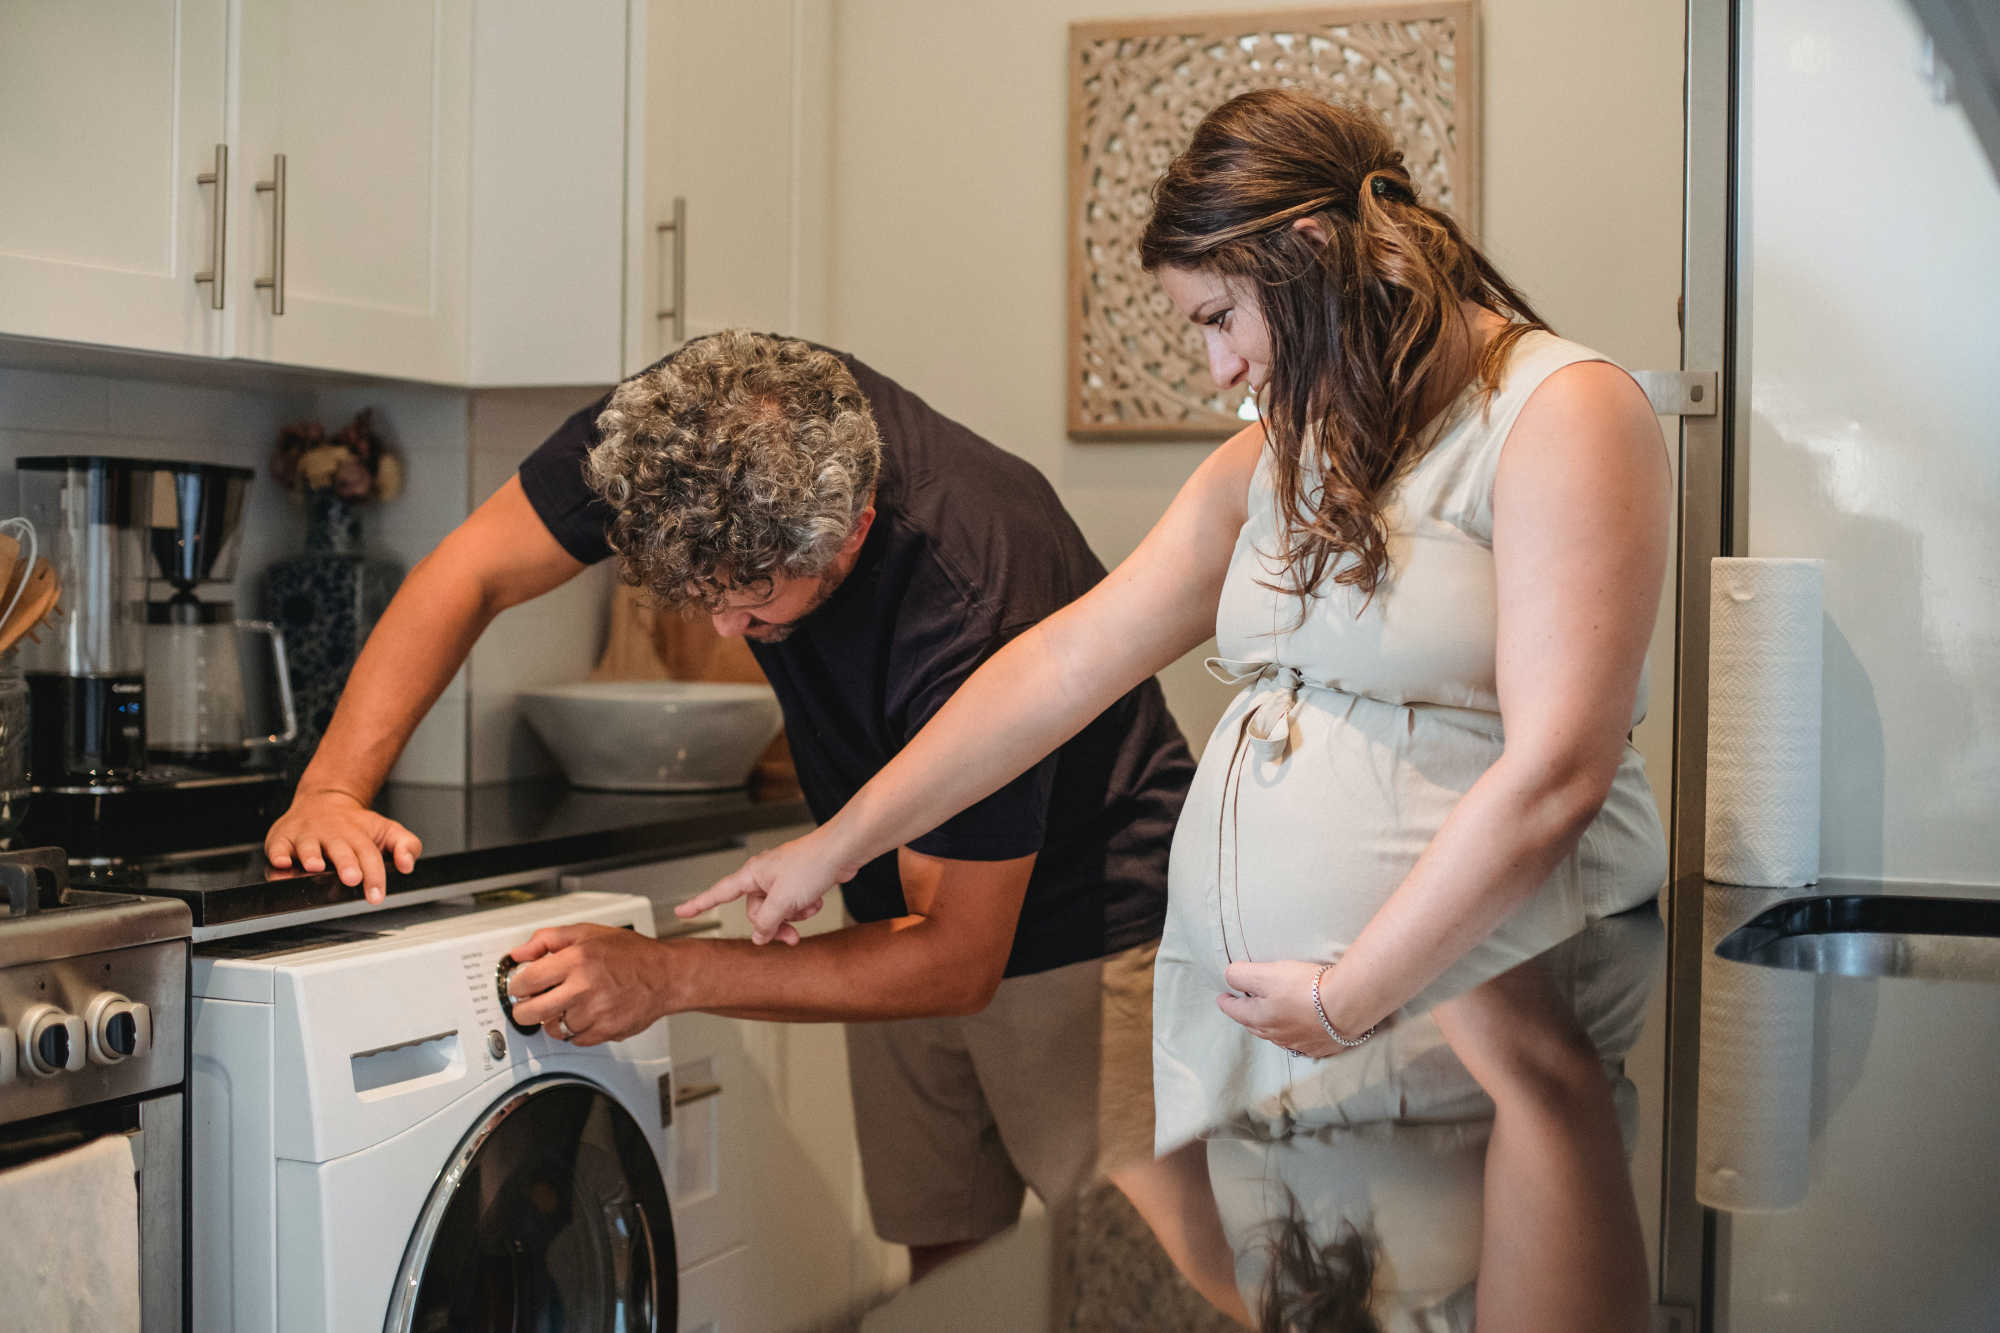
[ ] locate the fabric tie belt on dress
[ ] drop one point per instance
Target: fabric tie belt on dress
(1267, 728)
(1269, 731)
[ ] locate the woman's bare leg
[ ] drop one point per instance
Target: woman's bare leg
(1561, 1249)
(1173, 1194)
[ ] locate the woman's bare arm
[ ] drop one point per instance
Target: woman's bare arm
(1579, 550)
(1034, 694)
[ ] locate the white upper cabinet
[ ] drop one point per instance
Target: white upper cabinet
(350, 197)
(109, 112)
(548, 191)
(734, 124)
(450, 191)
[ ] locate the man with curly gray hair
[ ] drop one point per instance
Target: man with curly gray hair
(996, 977)
(740, 461)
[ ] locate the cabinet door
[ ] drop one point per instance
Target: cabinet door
(547, 267)
(737, 101)
(109, 110)
(368, 102)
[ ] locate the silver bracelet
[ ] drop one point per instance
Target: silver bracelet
(1318, 1009)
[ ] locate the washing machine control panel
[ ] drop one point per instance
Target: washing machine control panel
(486, 971)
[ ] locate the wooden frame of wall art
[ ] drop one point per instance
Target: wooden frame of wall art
(1137, 90)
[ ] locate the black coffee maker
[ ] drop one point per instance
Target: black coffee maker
(133, 541)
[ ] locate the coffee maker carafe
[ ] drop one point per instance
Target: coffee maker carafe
(195, 709)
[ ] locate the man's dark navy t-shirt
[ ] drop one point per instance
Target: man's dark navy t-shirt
(969, 547)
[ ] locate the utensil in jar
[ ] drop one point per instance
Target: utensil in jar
(35, 603)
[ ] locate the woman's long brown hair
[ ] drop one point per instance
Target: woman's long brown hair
(1367, 328)
(1315, 1288)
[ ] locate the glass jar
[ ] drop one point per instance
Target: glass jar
(14, 744)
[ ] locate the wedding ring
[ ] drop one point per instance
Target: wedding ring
(562, 1026)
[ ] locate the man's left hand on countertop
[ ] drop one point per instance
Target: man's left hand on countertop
(605, 982)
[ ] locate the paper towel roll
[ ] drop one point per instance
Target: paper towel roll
(1763, 722)
(1755, 1083)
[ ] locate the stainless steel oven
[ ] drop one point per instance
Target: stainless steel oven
(93, 1042)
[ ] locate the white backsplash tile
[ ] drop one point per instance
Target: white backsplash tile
(436, 753)
(552, 640)
(44, 412)
(39, 400)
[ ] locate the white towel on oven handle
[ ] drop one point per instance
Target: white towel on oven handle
(71, 1255)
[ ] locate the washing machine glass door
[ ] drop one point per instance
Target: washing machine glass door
(550, 1218)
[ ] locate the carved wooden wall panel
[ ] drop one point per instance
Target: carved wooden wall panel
(1138, 88)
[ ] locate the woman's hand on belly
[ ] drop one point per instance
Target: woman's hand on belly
(1275, 1002)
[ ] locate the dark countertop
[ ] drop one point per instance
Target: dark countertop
(502, 831)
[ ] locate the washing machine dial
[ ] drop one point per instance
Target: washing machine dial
(119, 1028)
(52, 1042)
(500, 975)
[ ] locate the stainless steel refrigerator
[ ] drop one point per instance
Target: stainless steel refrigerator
(1843, 284)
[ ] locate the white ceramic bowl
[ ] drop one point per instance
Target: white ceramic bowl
(654, 735)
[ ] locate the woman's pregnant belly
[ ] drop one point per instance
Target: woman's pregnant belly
(1290, 858)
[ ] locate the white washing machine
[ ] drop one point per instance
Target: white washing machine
(377, 1147)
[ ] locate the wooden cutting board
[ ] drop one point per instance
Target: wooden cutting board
(648, 644)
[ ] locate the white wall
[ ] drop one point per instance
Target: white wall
(552, 640)
(950, 184)
(950, 196)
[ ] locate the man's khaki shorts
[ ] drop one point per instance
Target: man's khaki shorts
(1048, 1086)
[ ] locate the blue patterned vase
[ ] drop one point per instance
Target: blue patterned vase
(326, 602)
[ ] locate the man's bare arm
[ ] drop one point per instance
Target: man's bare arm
(946, 957)
(499, 557)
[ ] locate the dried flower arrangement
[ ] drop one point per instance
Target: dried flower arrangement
(354, 464)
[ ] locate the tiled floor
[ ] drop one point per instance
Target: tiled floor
(1119, 1281)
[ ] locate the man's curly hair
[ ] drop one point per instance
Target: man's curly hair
(743, 458)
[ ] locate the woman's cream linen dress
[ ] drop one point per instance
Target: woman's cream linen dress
(1354, 736)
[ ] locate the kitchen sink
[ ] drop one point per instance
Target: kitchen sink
(648, 735)
(1874, 935)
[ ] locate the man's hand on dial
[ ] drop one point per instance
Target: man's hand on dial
(330, 830)
(786, 884)
(605, 983)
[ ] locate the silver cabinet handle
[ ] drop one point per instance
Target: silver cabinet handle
(675, 264)
(218, 242)
(275, 187)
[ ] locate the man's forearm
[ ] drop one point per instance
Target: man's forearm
(409, 659)
(865, 973)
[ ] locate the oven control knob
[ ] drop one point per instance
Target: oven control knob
(118, 1028)
(52, 1041)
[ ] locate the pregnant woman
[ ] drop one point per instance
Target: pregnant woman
(1434, 569)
